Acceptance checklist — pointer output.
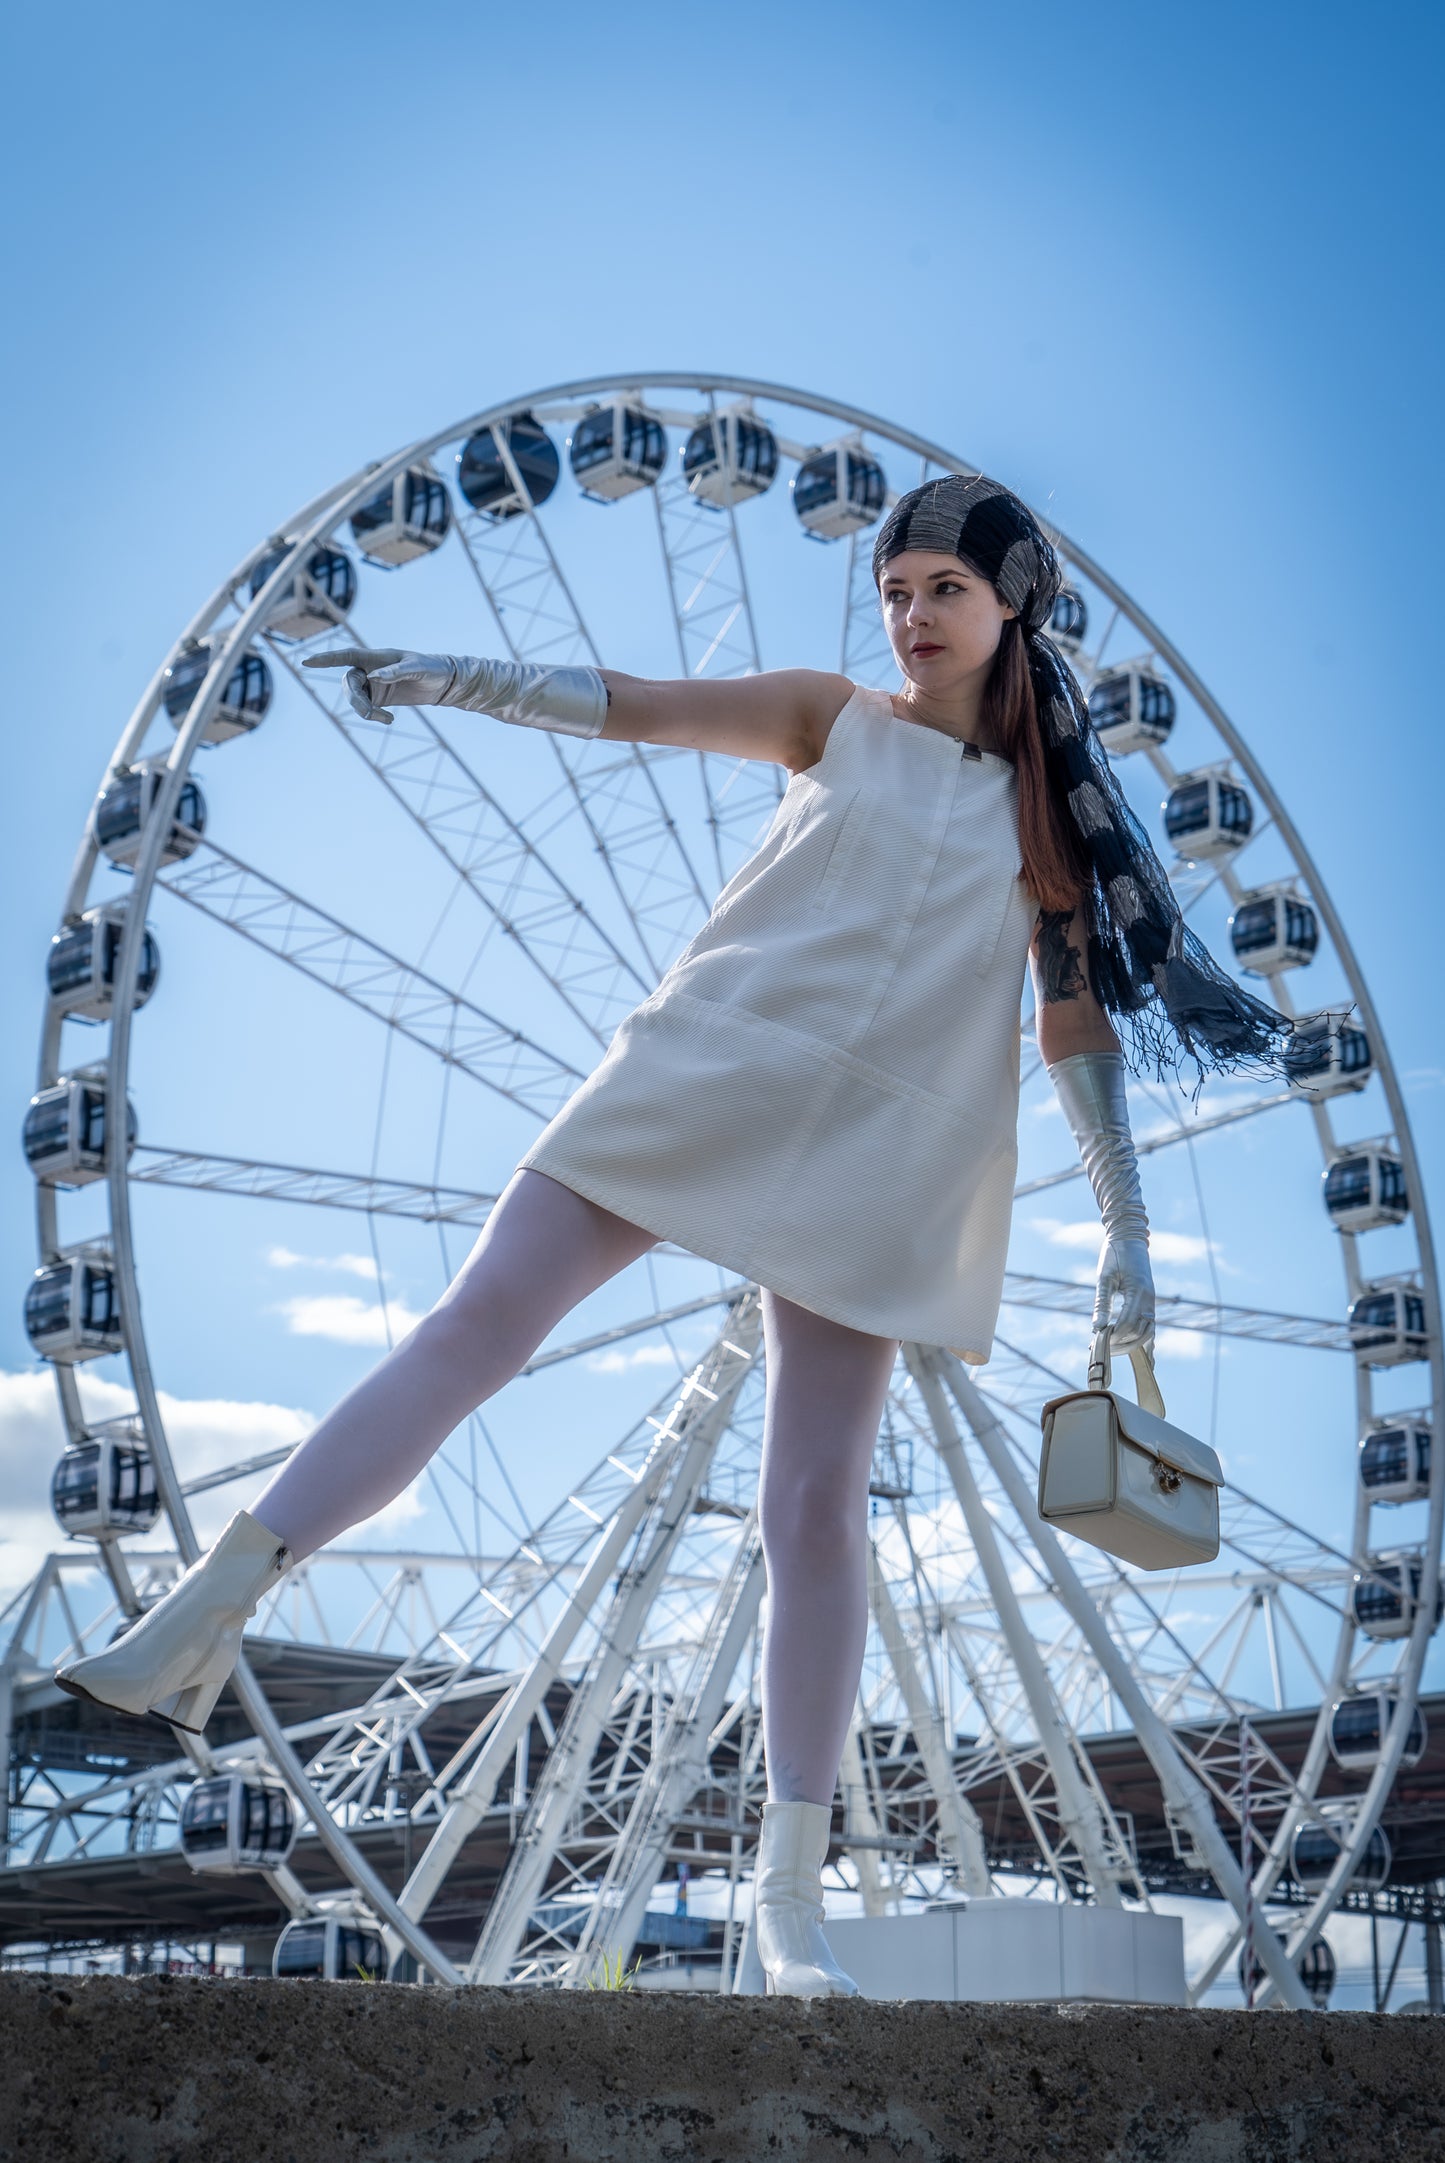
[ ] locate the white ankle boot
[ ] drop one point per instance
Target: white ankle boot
(176, 1660)
(788, 1904)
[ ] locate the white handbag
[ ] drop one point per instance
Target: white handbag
(1119, 1476)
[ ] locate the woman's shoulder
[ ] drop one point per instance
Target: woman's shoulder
(847, 702)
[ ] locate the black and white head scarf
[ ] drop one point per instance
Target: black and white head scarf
(1146, 967)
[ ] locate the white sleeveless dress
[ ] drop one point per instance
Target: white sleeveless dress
(822, 1092)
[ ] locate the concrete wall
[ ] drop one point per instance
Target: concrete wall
(164, 2070)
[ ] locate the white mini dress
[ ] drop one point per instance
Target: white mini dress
(822, 1092)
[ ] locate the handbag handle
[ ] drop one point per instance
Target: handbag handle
(1146, 1383)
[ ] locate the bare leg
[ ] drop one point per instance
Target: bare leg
(826, 1389)
(543, 1248)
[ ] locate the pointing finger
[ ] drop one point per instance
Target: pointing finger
(362, 657)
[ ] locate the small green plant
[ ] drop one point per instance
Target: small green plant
(614, 1976)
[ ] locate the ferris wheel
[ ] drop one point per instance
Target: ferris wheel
(484, 911)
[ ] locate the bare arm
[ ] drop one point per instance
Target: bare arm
(1067, 1016)
(783, 715)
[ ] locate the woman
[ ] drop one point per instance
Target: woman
(821, 1094)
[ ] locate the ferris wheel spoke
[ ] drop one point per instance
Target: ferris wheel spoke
(1174, 1311)
(865, 654)
(1092, 664)
(661, 1318)
(150, 1165)
(675, 1765)
(1190, 892)
(517, 885)
(320, 946)
(614, 787)
(712, 615)
(712, 609)
(590, 1730)
(1148, 1144)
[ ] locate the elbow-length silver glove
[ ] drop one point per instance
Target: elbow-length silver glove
(1090, 1086)
(570, 701)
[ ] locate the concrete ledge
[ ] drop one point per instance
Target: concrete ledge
(165, 2069)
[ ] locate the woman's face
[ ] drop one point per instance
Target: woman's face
(943, 621)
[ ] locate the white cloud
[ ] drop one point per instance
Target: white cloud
(617, 1361)
(205, 1434)
(1177, 1247)
(345, 1319)
(1179, 1344)
(350, 1265)
(1087, 1233)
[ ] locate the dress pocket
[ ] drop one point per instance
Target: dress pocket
(846, 826)
(991, 928)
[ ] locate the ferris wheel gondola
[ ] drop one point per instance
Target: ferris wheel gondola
(81, 965)
(124, 806)
(729, 457)
(72, 1309)
(1360, 1725)
(1387, 1324)
(1364, 1187)
(1274, 929)
(104, 1487)
(1069, 625)
(1327, 1056)
(509, 467)
(611, 849)
(332, 1948)
(838, 491)
(409, 516)
(1389, 1590)
(236, 1822)
(243, 704)
(1207, 815)
(318, 596)
(1316, 1849)
(1131, 708)
(65, 1128)
(616, 449)
(1395, 1459)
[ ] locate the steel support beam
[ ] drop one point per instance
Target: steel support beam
(569, 1762)
(677, 1769)
(959, 1832)
(1079, 1810)
(475, 1794)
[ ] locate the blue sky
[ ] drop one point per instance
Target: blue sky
(1169, 273)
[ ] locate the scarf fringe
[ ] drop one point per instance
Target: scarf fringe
(1149, 971)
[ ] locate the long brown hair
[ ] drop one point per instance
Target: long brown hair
(1055, 869)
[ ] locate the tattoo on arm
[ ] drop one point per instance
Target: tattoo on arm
(1060, 969)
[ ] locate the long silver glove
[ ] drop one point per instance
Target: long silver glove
(1090, 1087)
(570, 701)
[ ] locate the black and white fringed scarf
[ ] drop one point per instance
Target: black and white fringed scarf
(1146, 967)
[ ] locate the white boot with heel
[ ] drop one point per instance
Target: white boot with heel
(788, 1904)
(178, 1657)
